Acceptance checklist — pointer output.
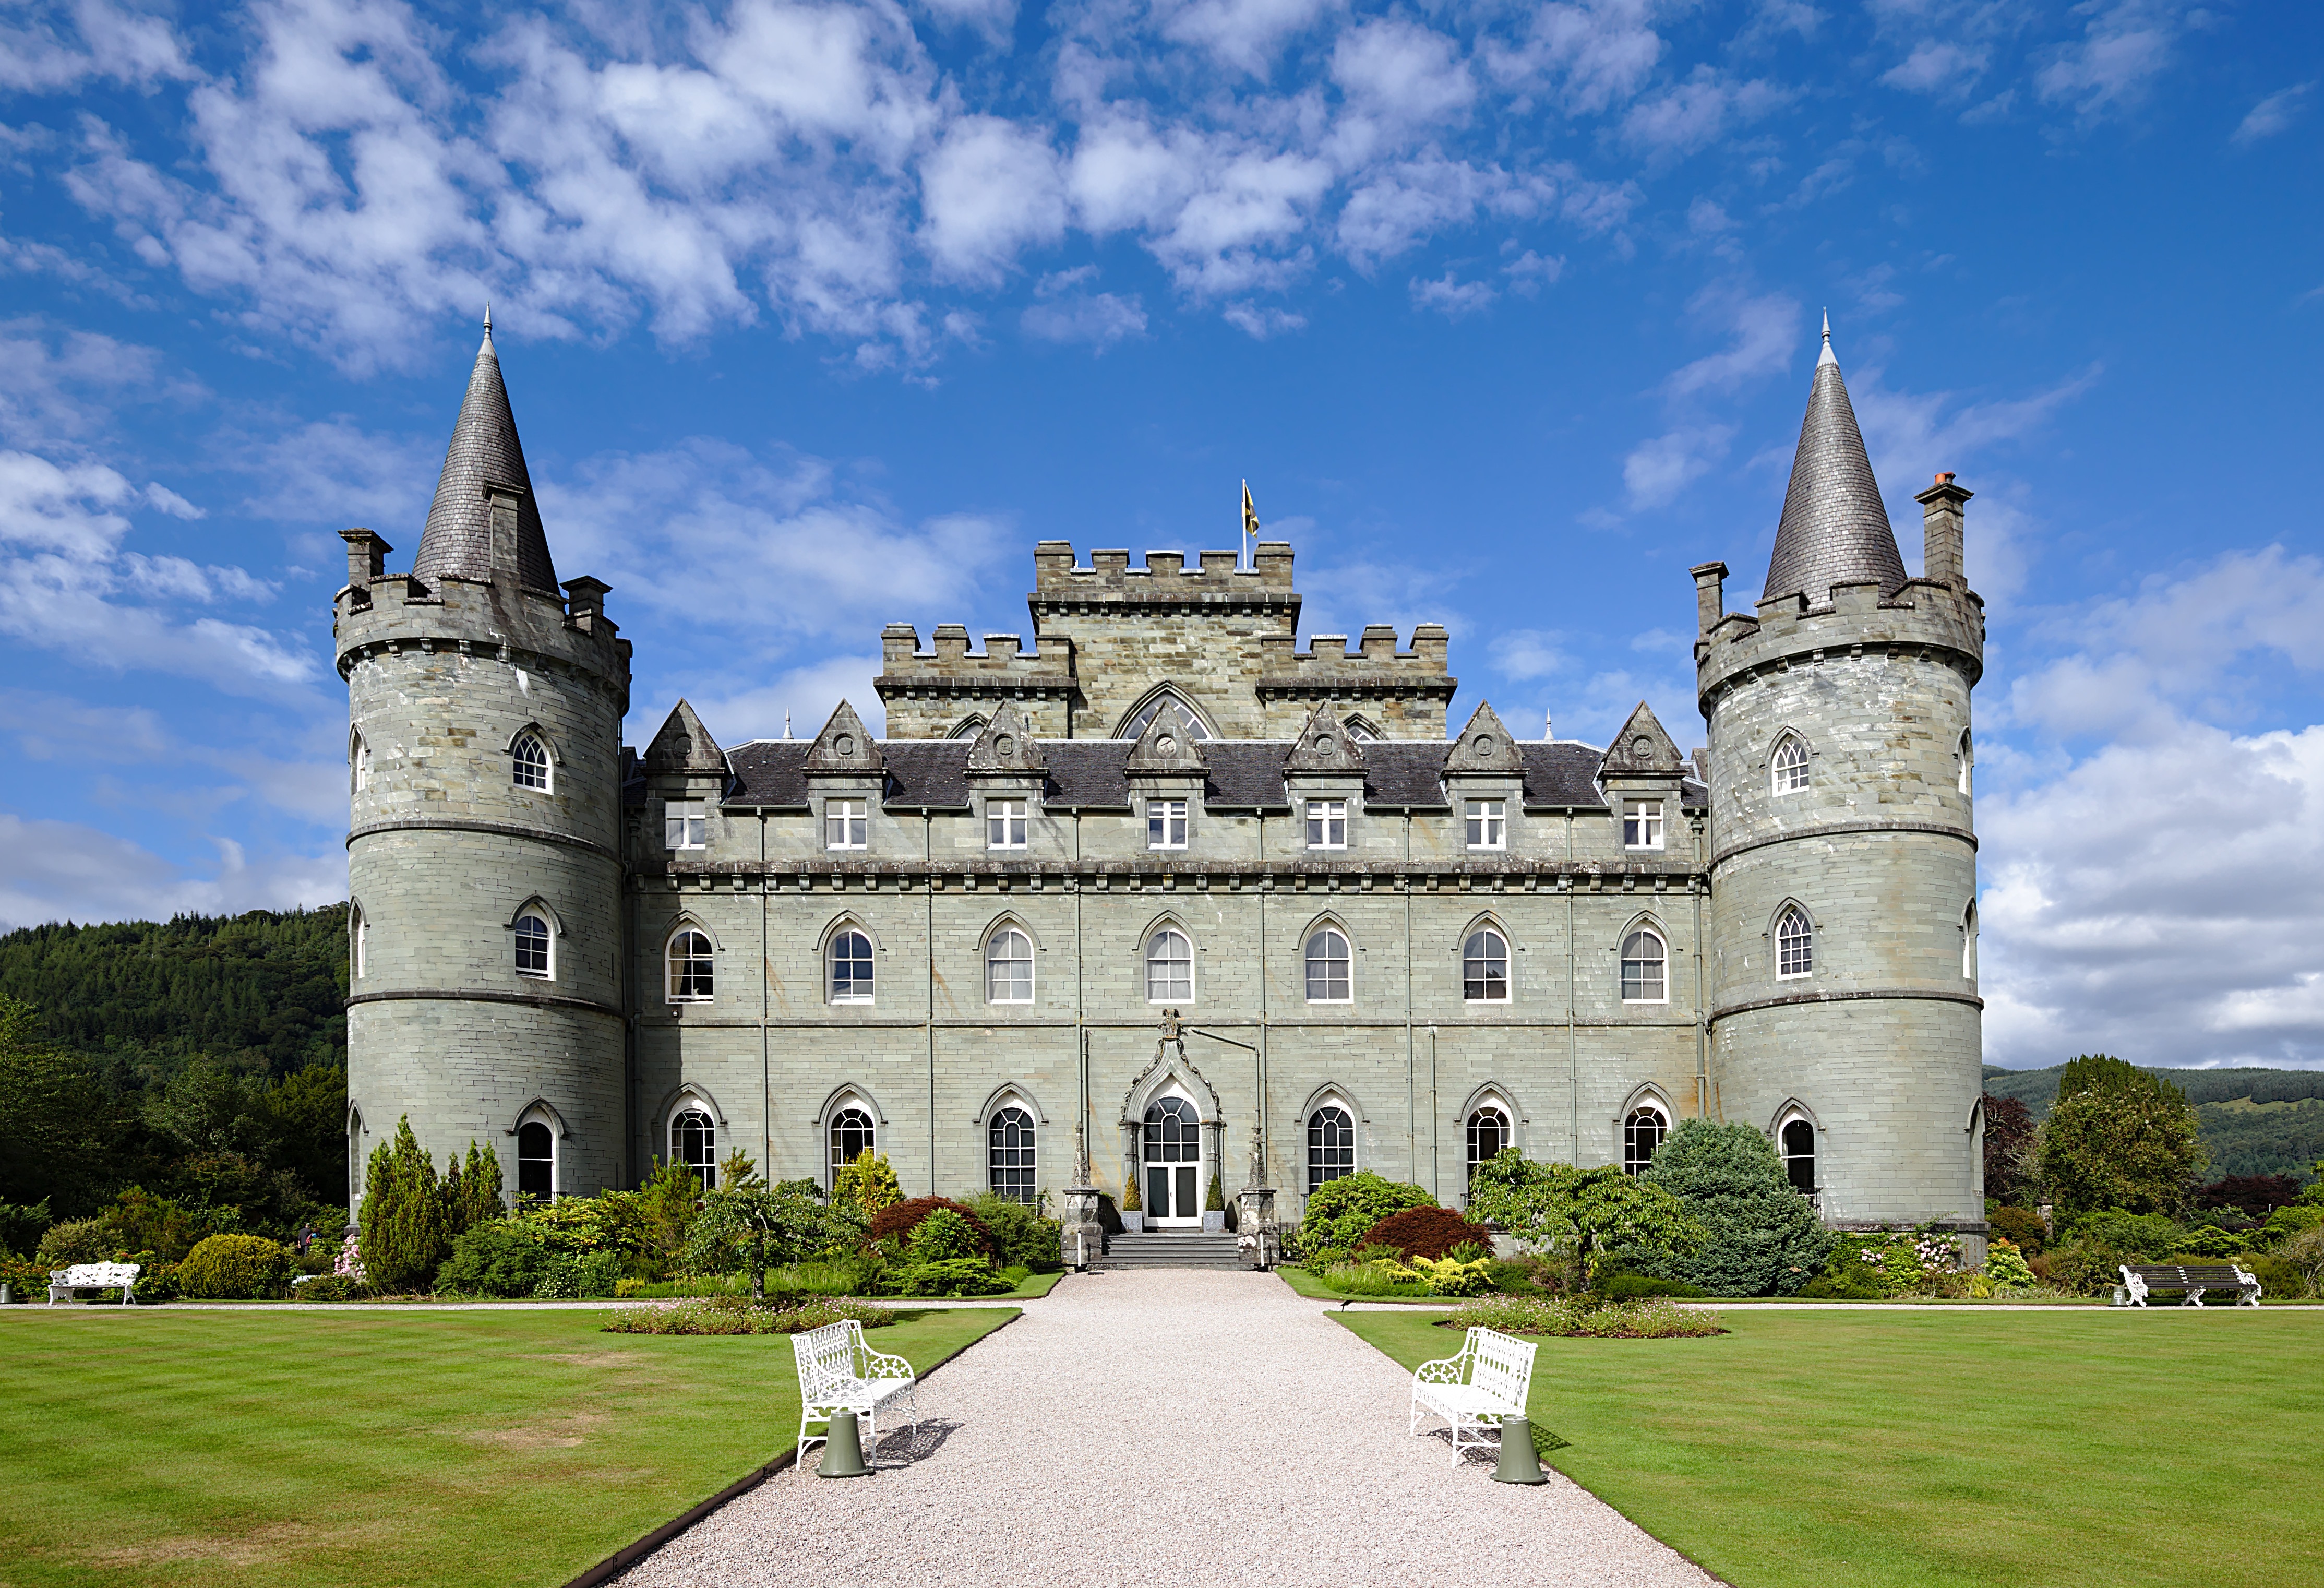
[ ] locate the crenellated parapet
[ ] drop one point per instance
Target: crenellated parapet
(934, 693)
(1404, 694)
(1164, 583)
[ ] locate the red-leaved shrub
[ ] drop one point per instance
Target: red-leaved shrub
(903, 1217)
(1426, 1231)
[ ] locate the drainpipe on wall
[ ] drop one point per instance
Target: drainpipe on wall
(766, 1014)
(1411, 1098)
(1572, 1058)
(1435, 1111)
(928, 852)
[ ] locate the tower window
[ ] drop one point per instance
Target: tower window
(1642, 824)
(1789, 770)
(361, 957)
(1966, 755)
(1794, 943)
(1327, 824)
(851, 967)
(1009, 1155)
(843, 823)
(694, 1145)
(1968, 942)
(691, 967)
(531, 946)
(1330, 1146)
(1643, 961)
(1488, 824)
(685, 825)
(359, 763)
(1004, 824)
(1009, 967)
(1485, 967)
(1165, 824)
(1169, 966)
(1328, 964)
(1799, 1151)
(529, 762)
(536, 1161)
(1489, 1133)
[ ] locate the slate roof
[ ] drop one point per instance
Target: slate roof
(1243, 774)
(485, 449)
(1835, 527)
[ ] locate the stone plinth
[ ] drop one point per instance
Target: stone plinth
(1083, 1239)
(1257, 1237)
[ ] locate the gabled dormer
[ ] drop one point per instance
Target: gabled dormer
(1642, 774)
(687, 775)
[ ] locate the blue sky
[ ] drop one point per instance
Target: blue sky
(818, 317)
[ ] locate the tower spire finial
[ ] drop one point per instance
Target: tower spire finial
(1826, 355)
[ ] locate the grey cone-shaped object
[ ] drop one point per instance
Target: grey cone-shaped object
(485, 450)
(1835, 527)
(1520, 1463)
(842, 1451)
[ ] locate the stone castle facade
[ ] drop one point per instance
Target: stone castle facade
(1381, 947)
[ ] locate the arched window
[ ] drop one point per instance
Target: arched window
(851, 1136)
(691, 964)
(532, 940)
(1009, 967)
(536, 1161)
(1798, 1141)
(1011, 1155)
(1485, 967)
(1169, 966)
(694, 1145)
(968, 727)
(1794, 943)
(1966, 755)
(1790, 765)
(1968, 942)
(1328, 980)
(1644, 961)
(358, 763)
(851, 967)
(1489, 1133)
(1358, 729)
(355, 1155)
(1330, 1146)
(1137, 725)
(359, 941)
(1642, 1132)
(529, 761)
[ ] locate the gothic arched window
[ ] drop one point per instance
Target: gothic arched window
(851, 967)
(529, 761)
(1485, 967)
(851, 1136)
(1330, 1146)
(1489, 1133)
(1136, 726)
(1799, 1150)
(533, 941)
(536, 1161)
(1643, 1132)
(1328, 962)
(1790, 767)
(1011, 1154)
(359, 763)
(1644, 961)
(692, 964)
(1794, 943)
(1009, 967)
(1169, 966)
(694, 1145)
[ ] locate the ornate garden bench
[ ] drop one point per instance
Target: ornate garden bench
(2195, 1281)
(1486, 1382)
(837, 1372)
(93, 1276)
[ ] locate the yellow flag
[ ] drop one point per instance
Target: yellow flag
(1249, 514)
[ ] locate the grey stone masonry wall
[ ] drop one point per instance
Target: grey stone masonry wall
(927, 695)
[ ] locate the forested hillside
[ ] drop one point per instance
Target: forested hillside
(2252, 1120)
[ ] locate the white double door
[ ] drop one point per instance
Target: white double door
(1173, 1164)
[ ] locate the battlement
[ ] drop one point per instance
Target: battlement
(1165, 578)
(1375, 657)
(1925, 617)
(1004, 656)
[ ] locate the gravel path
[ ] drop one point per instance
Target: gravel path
(1161, 1428)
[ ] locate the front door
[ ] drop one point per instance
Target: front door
(1174, 1163)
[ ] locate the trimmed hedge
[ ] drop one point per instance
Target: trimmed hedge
(900, 1219)
(236, 1268)
(1427, 1231)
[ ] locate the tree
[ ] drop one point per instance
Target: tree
(746, 1218)
(1760, 1236)
(404, 1234)
(58, 1126)
(1587, 1216)
(2119, 1137)
(871, 1183)
(472, 1192)
(2009, 1132)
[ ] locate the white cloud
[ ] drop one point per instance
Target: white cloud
(45, 54)
(1452, 299)
(1697, 111)
(1767, 331)
(1245, 34)
(1402, 74)
(805, 695)
(1528, 654)
(1591, 55)
(992, 188)
(1529, 272)
(2124, 48)
(1911, 436)
(334, 471)
(53, 871)
(2274, 114)
(1656, 471)
(1261, 322)
(1099, 319)
(63, 384)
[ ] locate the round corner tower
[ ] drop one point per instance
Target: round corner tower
(1846, 1022)
(483, 852)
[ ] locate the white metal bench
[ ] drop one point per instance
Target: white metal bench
(838, 1371)
(1486, 1382)
(2193, 1279)
(93, 1276)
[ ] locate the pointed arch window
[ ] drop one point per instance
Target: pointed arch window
(1485, 967)
(1169, 966)
(529, 762)
(692, 966)
(850, 1136)
(1642, 1133)
(1360, 730)
(1797, 1142)
(359, 944)
(1143, 718)
(1794, 943)
(533, 941)
(968, 727)
(1489, 1133)
(1330, 1146)
(1009, 967)
(850, 955)
(1644, 961)
(358, 763)
(1329, 967)
(1010, 1154)
(1789, 768)
(1968, 942)
(536, 1161)
(1967, 756)
(694, 1144)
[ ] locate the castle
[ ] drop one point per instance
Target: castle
(1380, 948)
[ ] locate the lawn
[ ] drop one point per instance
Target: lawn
(366, 1448)
(1309, 1285)
(1907, 1448)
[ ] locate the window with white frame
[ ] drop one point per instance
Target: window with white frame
(690, 967)
(1330, 1146)
(1165, 824)
(536, 1161)
(1009, 1155)
(1009, 967)
(358, 764)
(1327, 824)
(1489, 1133)
(1969, 942)
(1135, 728)
(850, 1136)
(1966, 755)
(1788, 770)
(1489, 823)
(1642, 824)
(1360, 731)
(1169, 966)
(694, 1145)
(851, 967)
(1004, 824)
(844, 823)
(1794, 943)
(361, 933)
(1645, 958)
(529, 762)
(685, 825)
(532, 945)
(1329, 964)
(1642, 1132)
(1798, 1143)
(1485, 967)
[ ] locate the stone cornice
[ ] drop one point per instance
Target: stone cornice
(996, 683)
(484, 995)
(498, 829)
(1835, 829)
(1317, 876)
(1846, 995)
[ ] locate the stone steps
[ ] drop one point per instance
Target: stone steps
(1170, 1248)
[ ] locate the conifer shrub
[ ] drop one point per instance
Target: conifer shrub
(1020, 1235)
(472, 1191)
(236, 1268)
(1760, 1236)
(503, 1257)
(1427, 1231)
(870, 1183)
(900, 1219)
(406, 1235)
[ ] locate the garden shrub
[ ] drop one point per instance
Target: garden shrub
(1374, 1279)
(503, 1257)
(2118, 1137)
(2208, 1244)
(27, 1276)
(1632, 1286)
(1449, 1276)
(1760, 1236)
(2005, 1268)
(1341, 1212)
(235, 1268)
(737, 1314)
(139, 1221)
(1020, 1235)
(2279, 1281)
(958, 1276)
(1654, 1317)
(2087, 1268)
(898, 1220)
(1516, 1276)
(75, 1240)
(406, 1236)
(2305, 1253)
(2146, 1237)
(1586, 1219)
(21, 1225)
(472, 1192)
(156, 1282)
(1427, 1231)
(2284, 1223)
(332, 1287)
(573, 1276)
(945, 1235)
(869, 1183)
(2021, 1227)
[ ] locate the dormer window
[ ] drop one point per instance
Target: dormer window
(1327, 824)
(1489, 823)
(685, 825)
(1642, 824)
(1165, 824)
(1004, 824)
(844, 823)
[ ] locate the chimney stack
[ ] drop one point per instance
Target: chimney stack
(1942, 533)
(1709, 594)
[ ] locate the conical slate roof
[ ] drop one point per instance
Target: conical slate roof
(1835, 529)
(458, 539)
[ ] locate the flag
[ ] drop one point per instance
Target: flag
(1250, 518)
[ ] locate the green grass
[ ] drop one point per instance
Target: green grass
(366, 1448)
(1033, 1286)
(1894, 1449)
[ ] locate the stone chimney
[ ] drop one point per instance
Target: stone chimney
(1942, 533)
